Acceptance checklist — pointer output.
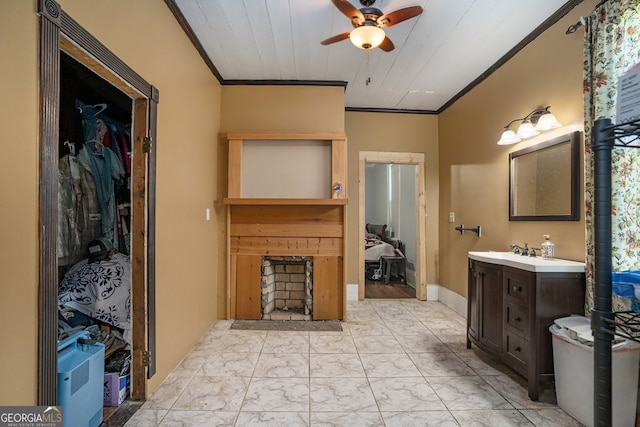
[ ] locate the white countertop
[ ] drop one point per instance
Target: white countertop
(536, 264)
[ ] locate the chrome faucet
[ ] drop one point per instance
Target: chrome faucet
(524, 251)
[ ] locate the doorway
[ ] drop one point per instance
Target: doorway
(61, 36)
(415, 212)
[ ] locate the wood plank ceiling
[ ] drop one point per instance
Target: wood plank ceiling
(437, 54)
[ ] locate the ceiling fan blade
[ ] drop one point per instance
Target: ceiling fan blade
(398, 16)
(349, 11)
(387, 44)
(335, 38)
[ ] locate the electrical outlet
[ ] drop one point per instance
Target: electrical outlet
(452, 216)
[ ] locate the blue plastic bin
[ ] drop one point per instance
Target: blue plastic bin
(626, 284)
(80, 377)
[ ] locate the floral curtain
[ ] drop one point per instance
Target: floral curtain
(611, 45)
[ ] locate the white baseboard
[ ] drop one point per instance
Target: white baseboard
(454, 301)
(432, 292)
(352, 292)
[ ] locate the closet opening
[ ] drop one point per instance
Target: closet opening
(95, 219)
(96, 115)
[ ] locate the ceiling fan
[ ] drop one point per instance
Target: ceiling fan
(368, 23)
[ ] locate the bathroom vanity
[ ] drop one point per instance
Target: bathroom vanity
(512, 301)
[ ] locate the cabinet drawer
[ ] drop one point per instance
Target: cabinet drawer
(515, 352)
(516, 317)
(517, 284)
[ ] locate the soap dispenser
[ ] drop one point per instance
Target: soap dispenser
(548, 248)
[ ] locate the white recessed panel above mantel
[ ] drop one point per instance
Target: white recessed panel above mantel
(286, 169)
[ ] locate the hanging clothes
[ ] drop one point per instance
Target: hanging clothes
(103, 164)
(79, 215)
(107, 174)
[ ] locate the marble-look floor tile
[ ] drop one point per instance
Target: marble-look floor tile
(277, 395)
(551, 417)
(341, 419)
(405, 394)
(452, 325)
(422, 343)
(373, 327)
(229, 365)
(166, 395)
(441, 365)
(482, 364)
(388, 365)
(467, 393)
(282, 365)
(363, 316)
(515, 391)
(273, 419)
(195, 359)
(406, 327)
(199, 419)
(455, 343)
(397, 315)
(242, 343)
(331, 344)
(335, 365)
(341, 394)
(221, 324)
(146, 418)
(286, 342)
(504, 418)
(213, 394)
(419, 419)
(377, 344)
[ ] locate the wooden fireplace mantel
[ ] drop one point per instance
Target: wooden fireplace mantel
(312, 227)
(291, 202)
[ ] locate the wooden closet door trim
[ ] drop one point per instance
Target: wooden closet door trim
(54, 23)
(49, 11)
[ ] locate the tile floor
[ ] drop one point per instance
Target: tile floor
(396, 363)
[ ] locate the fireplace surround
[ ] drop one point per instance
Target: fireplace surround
(296, 227)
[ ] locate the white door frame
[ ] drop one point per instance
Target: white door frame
(395, 158)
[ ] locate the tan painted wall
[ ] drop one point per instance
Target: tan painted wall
(19, 203)
(393, 132)
(146, 36)
(474, 170)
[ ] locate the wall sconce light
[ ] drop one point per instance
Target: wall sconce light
(539, 120)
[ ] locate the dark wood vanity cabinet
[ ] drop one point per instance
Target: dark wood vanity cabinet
(527, 303)
(484, 310)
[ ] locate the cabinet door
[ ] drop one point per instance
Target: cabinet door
(490, 307)
(484, 311)
(473, 307)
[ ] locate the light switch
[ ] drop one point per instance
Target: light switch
(208, 214)
(452, 216)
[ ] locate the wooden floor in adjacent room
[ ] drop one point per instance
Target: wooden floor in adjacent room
(377, 289)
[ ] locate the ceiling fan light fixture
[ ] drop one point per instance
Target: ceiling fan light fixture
(367, 37)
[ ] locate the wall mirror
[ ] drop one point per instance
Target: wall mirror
(544, 181)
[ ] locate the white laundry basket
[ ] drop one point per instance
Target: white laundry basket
(573, 365)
